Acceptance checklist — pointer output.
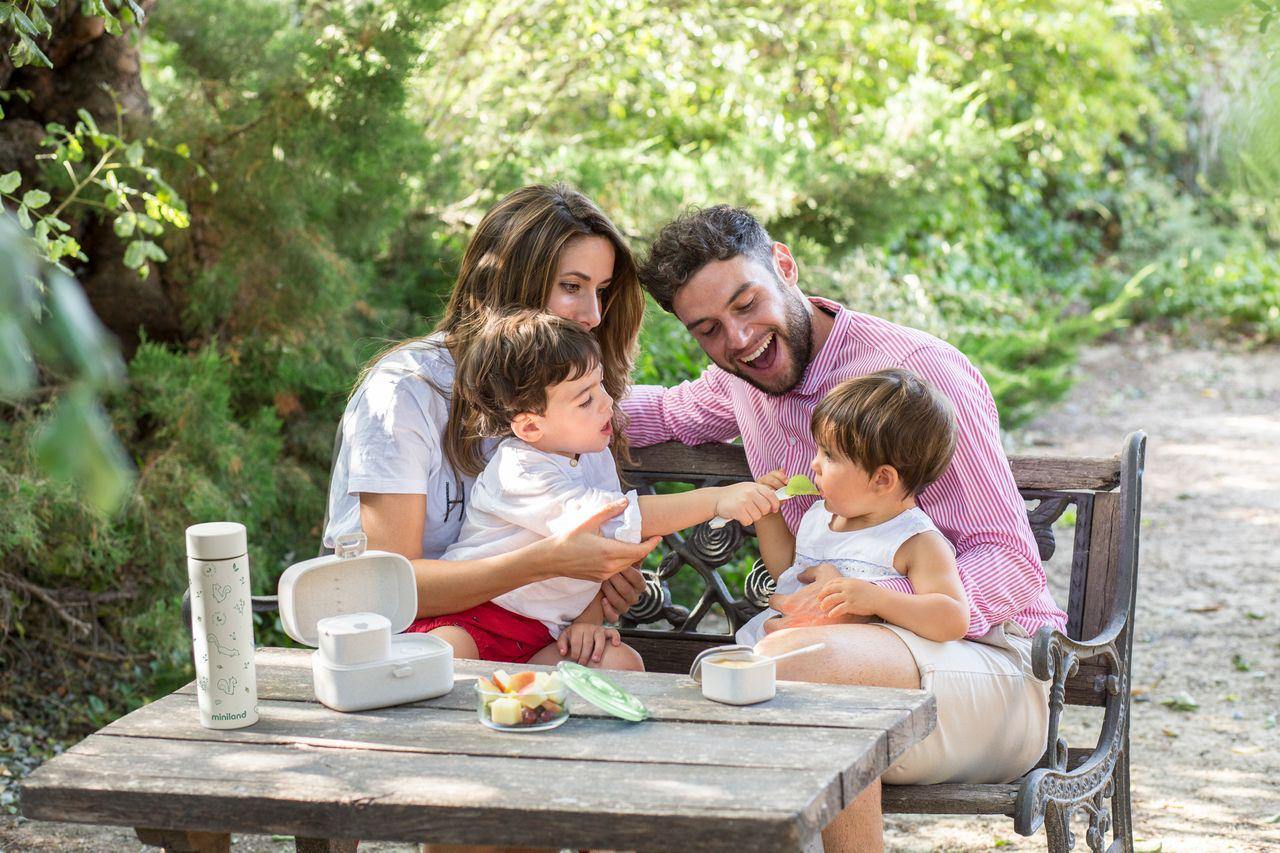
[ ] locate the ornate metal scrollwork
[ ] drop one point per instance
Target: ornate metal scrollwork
(1042, 517)
(1054, 793)
(758, 586)
(716, 546)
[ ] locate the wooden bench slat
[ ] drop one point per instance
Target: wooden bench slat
(1104, 564)
(398, 797)
(950, 799)
(729, 461)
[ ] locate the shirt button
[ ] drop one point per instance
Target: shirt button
(791, 439)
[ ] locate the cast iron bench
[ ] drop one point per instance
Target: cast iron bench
(1089, 665)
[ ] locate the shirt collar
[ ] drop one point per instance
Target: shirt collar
(822, 362)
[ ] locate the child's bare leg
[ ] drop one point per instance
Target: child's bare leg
(621, 657)
(463, 645)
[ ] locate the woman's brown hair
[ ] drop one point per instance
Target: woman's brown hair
(511, 262)
(512, 360)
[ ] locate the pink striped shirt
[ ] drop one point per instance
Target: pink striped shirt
(975, 504)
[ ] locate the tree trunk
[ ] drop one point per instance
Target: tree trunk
(85, 58)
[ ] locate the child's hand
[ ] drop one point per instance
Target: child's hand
(746, 502)
(775, 480)
(583, 641)
(849, 597)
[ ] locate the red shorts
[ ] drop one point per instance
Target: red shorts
(499, 634)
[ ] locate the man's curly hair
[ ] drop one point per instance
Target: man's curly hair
(695, 239)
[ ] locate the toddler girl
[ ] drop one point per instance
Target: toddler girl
(535, 381)
(881, 440)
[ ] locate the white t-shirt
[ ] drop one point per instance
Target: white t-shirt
(392, 443)
(524, 495)
(867, 554)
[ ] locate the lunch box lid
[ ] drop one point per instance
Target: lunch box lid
(695, 669)
(602, 692)
(352, 580)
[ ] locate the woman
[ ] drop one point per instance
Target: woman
(540, 247)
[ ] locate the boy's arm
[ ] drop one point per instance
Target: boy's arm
(593, 614)
(938, 610)
(745, 502)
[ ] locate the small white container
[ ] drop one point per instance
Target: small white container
(355, 638)
(735, 675)
(350, 604)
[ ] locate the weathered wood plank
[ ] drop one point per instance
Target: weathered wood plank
(729, 461)
(857, 756)
(322, 792)
(177, 841)
(906, 716)
(1104, 564)
(1082, 539)
(949, 799)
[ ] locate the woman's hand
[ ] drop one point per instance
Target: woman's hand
(746, 502)
(583, 641)
(849, 597)
(584, 554)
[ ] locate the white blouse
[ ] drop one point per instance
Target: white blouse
(525, 494)
(867, 554)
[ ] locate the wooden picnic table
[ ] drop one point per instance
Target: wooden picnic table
(697, 775)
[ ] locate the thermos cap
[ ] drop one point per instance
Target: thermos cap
(216, 540)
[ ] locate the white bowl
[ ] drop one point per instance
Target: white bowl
(738, 678)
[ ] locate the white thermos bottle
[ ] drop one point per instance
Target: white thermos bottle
(222, 624)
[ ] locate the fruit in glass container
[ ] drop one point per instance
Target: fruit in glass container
(531, 696)
(506, 711)
(520, 681)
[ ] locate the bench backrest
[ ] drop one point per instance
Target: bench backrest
(1105, 493)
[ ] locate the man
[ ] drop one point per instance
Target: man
(776, 352)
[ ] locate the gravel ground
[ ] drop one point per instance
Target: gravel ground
(1209, 597)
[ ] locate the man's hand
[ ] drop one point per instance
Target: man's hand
(584, 641)
(584, 554)
(804, 607)
(620, 593)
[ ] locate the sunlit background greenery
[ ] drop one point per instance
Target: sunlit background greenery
(299, 178)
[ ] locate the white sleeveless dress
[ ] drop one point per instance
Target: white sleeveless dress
(866, 554)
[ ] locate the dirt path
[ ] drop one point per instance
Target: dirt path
(1208, 606)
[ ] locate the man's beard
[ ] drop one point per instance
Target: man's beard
(796, 341)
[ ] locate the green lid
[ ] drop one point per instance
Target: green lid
(602, 692)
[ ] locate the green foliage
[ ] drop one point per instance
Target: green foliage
(46, 322)
(105, 172)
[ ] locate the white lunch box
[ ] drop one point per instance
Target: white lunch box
(351, 605)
